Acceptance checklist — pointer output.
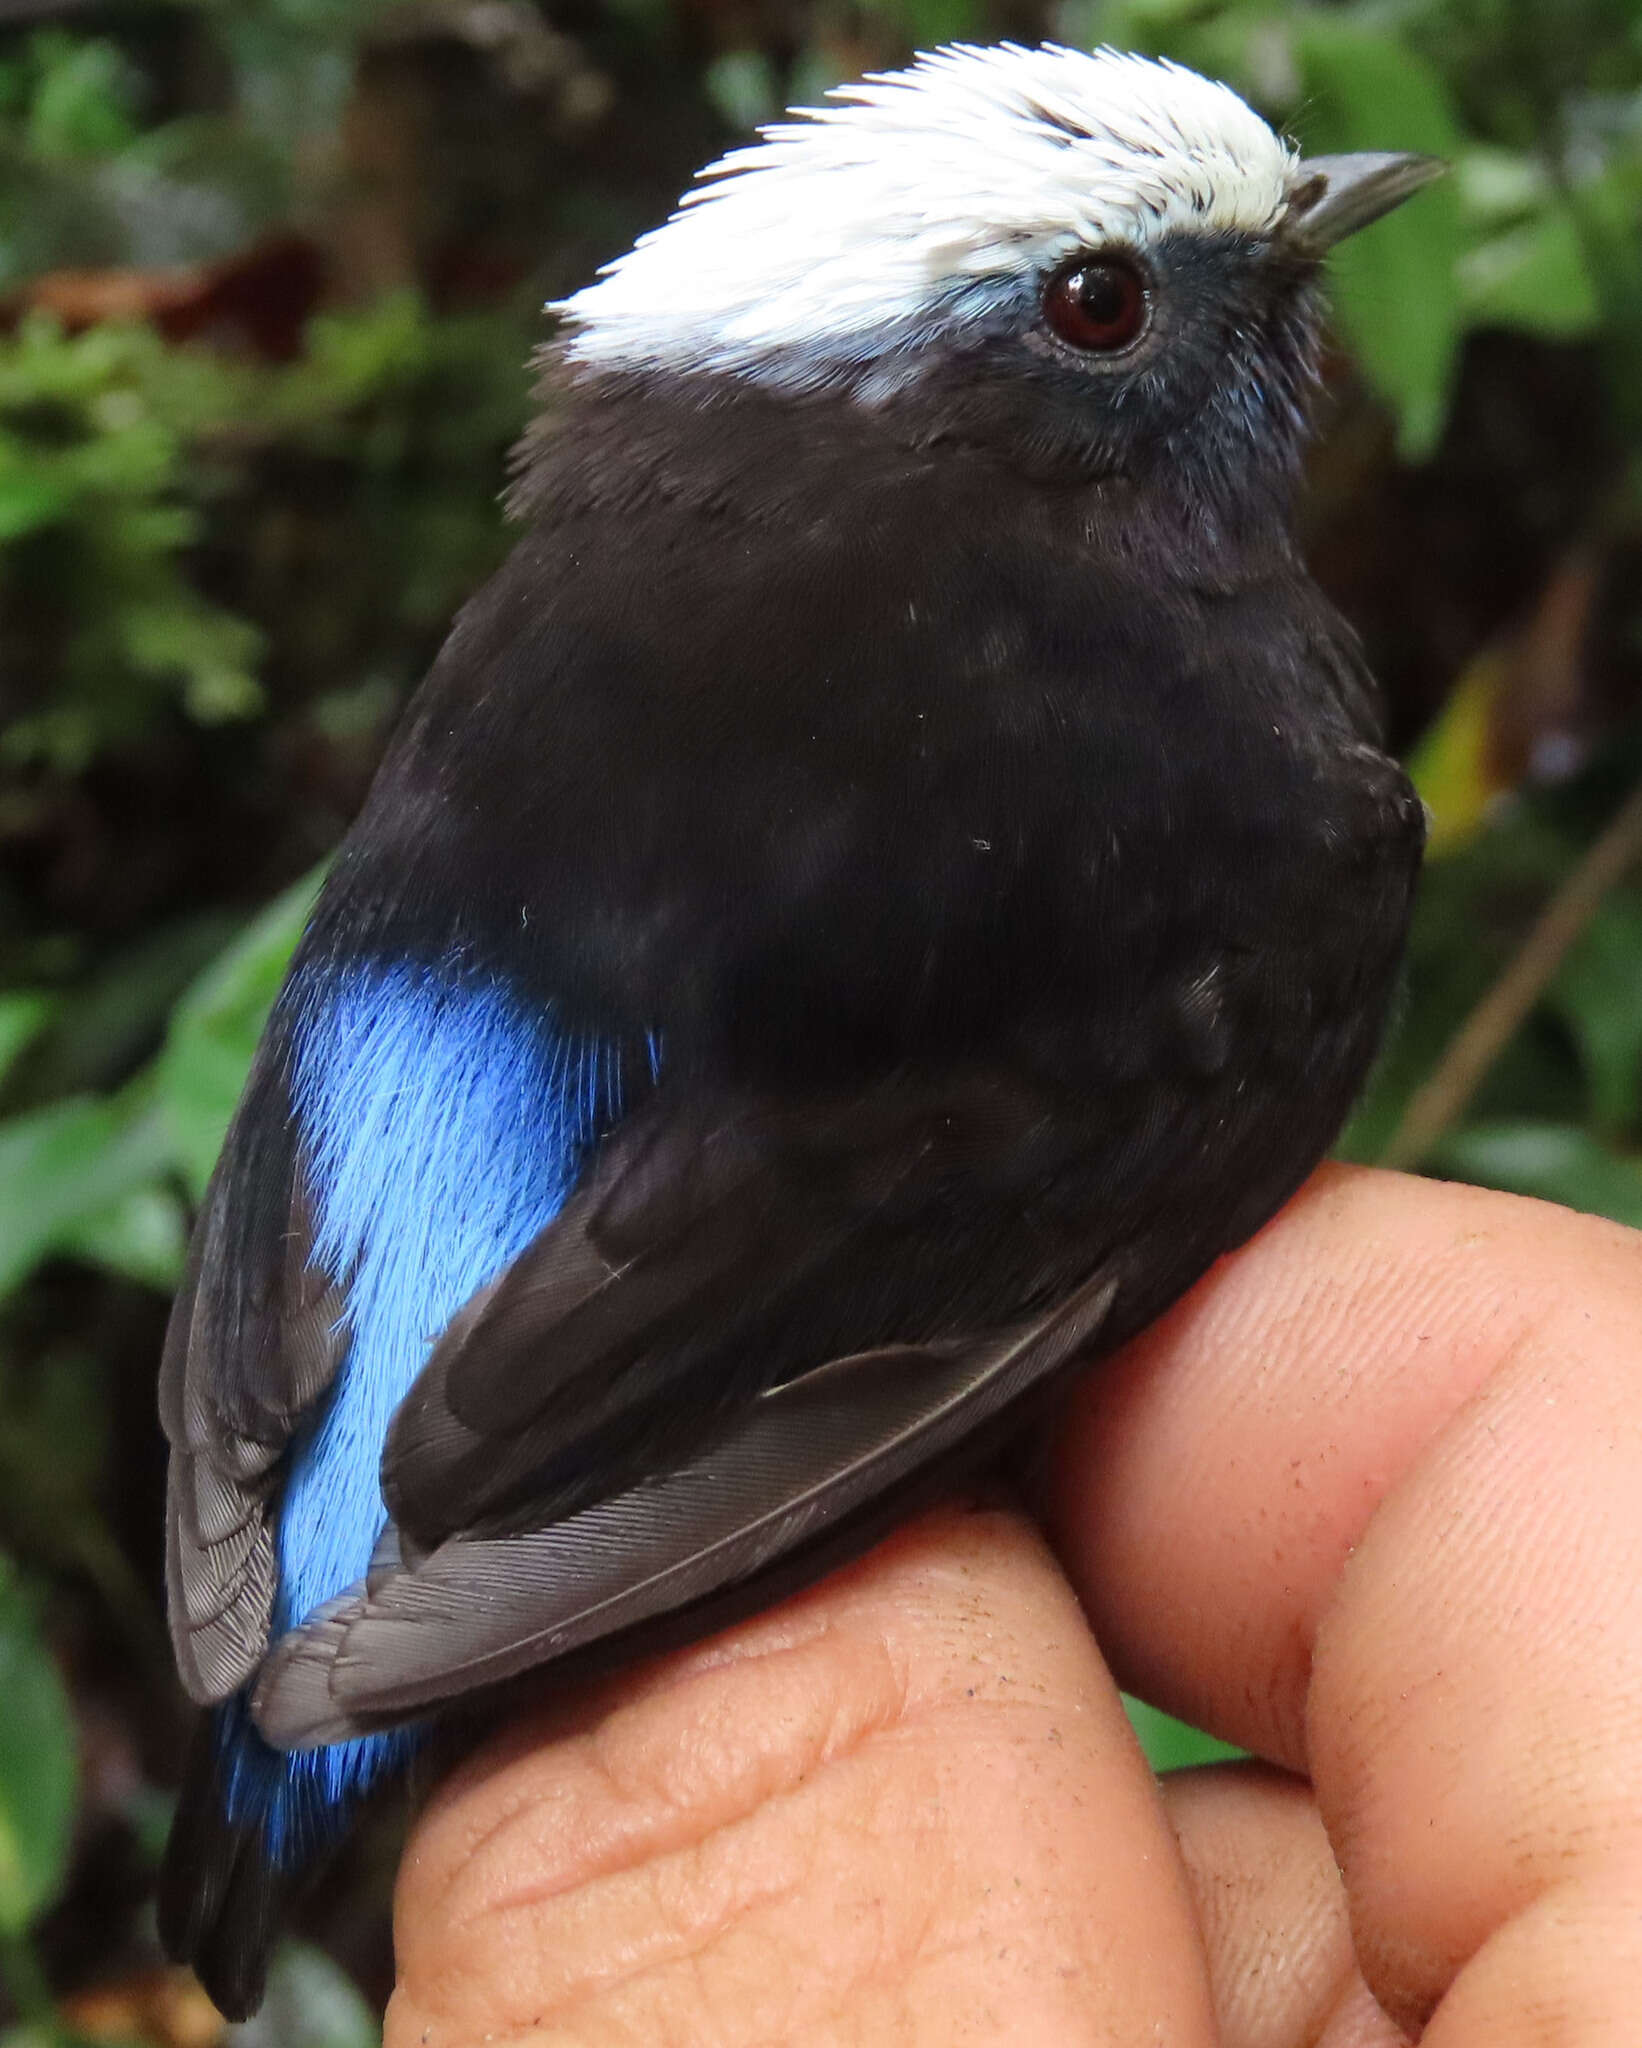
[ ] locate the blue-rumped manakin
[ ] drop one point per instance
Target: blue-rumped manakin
(894, 876)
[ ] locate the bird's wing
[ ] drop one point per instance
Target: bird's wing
(252, 1344)
(794, 1478)
(582, 1458)
(717, 1250)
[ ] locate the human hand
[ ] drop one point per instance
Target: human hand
(1368, 1502)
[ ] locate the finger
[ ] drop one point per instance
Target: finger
(906, 1808)
(1567, 1969)
(1270, 1903)
(1272, 1911)
(1213, 1480)
(1476, 1706)
(1438, 1386)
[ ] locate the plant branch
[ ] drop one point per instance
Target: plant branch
(1443, 1098)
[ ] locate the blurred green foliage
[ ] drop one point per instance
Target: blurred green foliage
(268, 271)
(120, 453)
(37, 1765)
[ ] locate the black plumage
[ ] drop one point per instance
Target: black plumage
(965, 825)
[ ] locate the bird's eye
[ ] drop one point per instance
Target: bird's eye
(1097, 303)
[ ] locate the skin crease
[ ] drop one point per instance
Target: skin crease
(1368, 1501)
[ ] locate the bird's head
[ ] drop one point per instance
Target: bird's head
(1096, 263)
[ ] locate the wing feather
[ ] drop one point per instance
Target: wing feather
(252, 1343)
(682, 1279)
(798, 1461)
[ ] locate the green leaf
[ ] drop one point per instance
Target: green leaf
(933, 22)
(142, 1235)
(117, 1014)
(54, 1423)
(215, 1028)
(1595, 993)
(1396, 284)
(29, 498)
(80, 104)
(1171, 1745)
(1500, 187)
(1556, 1162)
(1532, 276)
(310, 2004)
(37, 1764)
(23, 1016)
(213, 649)
(63, 1167)
(743, 88)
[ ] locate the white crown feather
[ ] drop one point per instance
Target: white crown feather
(972, 163)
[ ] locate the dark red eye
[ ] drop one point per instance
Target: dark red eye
(1097, 303)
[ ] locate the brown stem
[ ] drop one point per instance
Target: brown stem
(1442, 1099)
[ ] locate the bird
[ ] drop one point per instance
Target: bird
(896, 874)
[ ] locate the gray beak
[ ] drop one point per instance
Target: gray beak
(1334, 196)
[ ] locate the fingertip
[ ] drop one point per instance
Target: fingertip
(1212, 1480)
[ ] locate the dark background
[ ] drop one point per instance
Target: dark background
(269, 273)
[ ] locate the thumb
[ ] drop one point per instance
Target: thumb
(906, 1807)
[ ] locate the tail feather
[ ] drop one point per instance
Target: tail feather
(253, 1825)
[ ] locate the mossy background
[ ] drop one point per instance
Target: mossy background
(269, 273)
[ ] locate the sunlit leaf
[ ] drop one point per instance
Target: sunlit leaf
(37, 1763)
(1451, 768)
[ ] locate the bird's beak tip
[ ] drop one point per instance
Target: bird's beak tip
(1333, 196)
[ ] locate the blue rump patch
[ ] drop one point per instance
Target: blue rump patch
(442, 1127)
(299, 1800)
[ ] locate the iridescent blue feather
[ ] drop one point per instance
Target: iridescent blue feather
(441, 1125)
